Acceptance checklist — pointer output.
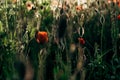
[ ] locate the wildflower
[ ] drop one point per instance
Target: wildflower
(114, 1)
(41, 37)
(81, 41)
(118, 3)
(14, 1)
(118, 17)
(109, 1)
(78, 8)
(29, 5)
(54, 5)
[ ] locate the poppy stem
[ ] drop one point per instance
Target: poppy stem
(102, 21)
(6, 6)
(38, 23)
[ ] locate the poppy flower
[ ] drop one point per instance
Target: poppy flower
(118, 3)
(29, 5)
(118, 17)
(41, 37)
(14, 1)
(81, 41)
(78, 8)
(114, 1)
(109, 1)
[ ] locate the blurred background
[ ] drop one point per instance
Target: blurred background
(59, 40)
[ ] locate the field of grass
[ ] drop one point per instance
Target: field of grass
(67, 43)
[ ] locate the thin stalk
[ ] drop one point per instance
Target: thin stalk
(6, 5)
(115, 37)
(102, 20)
(102, 39)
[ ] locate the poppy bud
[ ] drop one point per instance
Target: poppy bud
(81, 41)
(41, 37)
(118, 17)
(41, 7)
(34, 8)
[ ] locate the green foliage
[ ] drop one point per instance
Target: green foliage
(7, 57)
(17, 36)
(47, 18)
(1, 27)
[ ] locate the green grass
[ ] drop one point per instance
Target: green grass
(97, 59)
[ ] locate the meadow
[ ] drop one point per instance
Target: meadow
(40, 41)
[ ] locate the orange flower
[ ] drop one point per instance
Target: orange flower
(115, 1)
(109, 1)
(41, 37)
(118, 3)
(14, 1)
(29, 5)
(81, 41)
(118, 17)
(78, 8)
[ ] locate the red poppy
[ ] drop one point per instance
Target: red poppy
(29, 5)
(118, 17)
(78, 8)
(41, 37)
(118, 3)
(81, 41)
